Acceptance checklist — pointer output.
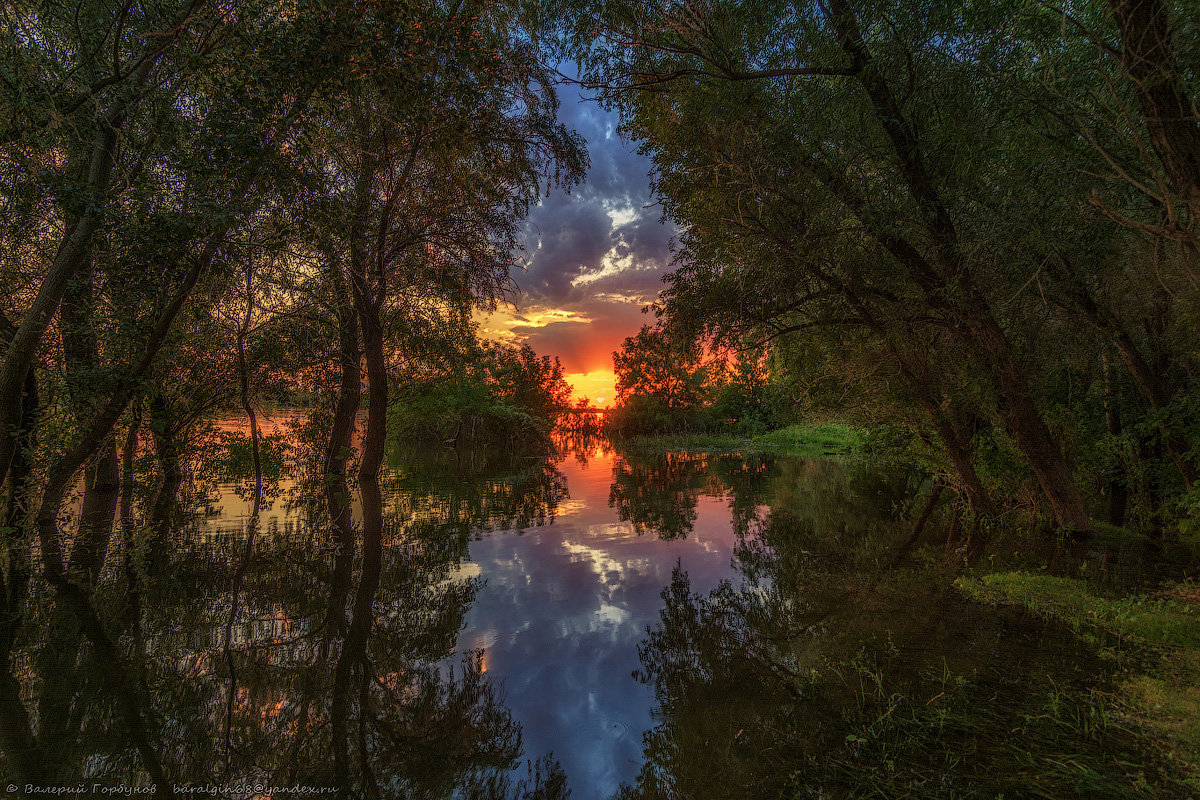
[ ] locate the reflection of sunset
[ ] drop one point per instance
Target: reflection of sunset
(599, 386)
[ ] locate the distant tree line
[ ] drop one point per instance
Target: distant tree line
(974, 223)
(665, 384)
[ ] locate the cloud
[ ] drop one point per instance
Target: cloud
(594, 256)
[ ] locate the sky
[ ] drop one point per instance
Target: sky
(594, 258)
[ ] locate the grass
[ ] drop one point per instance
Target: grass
(1163, 691)
(805, 439)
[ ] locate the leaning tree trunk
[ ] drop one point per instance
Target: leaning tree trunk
(1148, 55)
(1024, 421)
(944, 275)
(72, 254)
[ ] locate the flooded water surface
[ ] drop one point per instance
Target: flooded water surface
(594, 623)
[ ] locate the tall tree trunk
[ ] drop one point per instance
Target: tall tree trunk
(81, 357)
(1148, 55)
(235, 589)
(244, 387)
(337, 454)
(21, 750)
(368, 288)
(345, 408)
(948, 283)
(17, 510)
(375, 440)
(1118, 489)
(128, 457)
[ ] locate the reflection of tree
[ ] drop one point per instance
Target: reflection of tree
(276, 655)
(830, 671)
(659, 492)
(480, 489)
(580, 436)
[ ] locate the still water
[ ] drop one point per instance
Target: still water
(593, 623)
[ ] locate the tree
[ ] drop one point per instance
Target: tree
(858, 172)
(436, 144)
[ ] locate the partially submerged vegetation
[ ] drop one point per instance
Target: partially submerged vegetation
(827, 439)
(1154, 638)
(842, 663)
(491, 394)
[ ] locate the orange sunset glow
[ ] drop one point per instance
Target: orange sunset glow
(598, 386)
(593, 260)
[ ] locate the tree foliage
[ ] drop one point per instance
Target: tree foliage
(939, 219)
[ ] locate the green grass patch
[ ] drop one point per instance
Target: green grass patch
(806, 439)
(1163, 691)
(1151, 619)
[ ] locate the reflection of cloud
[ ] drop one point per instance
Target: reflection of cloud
(561, 615)
(609, 570)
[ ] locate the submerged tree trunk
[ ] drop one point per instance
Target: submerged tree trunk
(96, 517)
(166, 446)
(354, 649)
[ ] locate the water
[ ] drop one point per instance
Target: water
(696, 625)
(563, 610)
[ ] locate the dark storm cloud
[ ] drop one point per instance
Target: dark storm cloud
(610, 214)
(574, 236)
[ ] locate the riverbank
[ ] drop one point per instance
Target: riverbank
(825, 439)
(1153, 636)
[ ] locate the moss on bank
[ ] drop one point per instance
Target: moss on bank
(804, 439)
(1160, 636)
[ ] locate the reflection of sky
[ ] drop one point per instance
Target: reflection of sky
(561, 616)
